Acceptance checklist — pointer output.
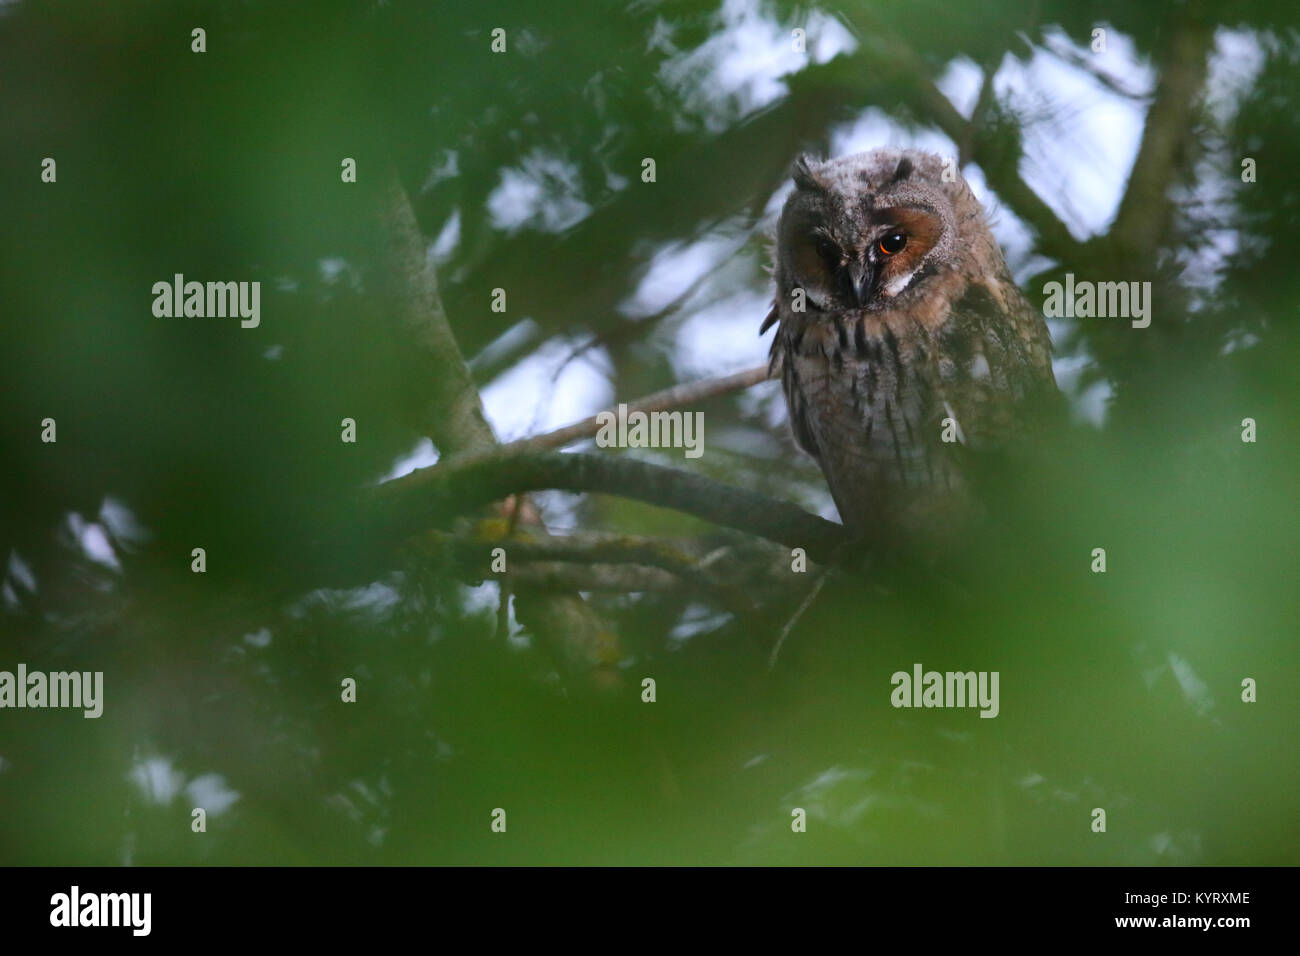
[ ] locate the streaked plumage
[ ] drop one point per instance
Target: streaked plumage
(911, 318)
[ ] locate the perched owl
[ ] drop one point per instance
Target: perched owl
(902, 341)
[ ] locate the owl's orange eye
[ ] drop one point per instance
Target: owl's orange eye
(892, 243)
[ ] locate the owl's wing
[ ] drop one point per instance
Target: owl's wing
(993, 370)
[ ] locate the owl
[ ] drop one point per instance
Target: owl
(903, 344)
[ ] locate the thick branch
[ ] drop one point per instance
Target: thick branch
(454, 417)
(420, 498)
(1142, 222)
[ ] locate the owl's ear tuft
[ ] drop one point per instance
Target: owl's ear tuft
(803, 174)
(904, 170)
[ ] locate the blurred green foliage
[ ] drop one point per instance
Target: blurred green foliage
(1119, 690)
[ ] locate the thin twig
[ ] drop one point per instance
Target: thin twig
(803, 606)
(639, 327)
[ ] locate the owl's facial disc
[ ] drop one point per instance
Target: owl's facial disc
(835, 274)
(858, 242)
(869, 265)
(900, 247)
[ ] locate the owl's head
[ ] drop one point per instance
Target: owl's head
(864, 232)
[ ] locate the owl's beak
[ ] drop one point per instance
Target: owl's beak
(861, 279)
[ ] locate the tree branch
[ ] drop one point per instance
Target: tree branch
(739, 576)
(454, 418)
(428, 495)
(897, 57)
(1142, 222)
(660, 401)
(622, 578)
